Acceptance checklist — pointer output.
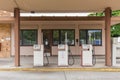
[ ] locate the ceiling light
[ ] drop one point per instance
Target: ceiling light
(4, 11)
(33, 12)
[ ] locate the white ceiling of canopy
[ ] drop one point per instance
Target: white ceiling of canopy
(59, 5)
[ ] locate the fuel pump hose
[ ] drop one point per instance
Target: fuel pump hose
(72, 57)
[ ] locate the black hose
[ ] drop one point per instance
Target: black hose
(73, 60)
(94, 58)
(46, 64)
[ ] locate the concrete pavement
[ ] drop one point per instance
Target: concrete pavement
(27, 62)
(61, 75)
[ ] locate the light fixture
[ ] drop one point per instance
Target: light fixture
(32, 12)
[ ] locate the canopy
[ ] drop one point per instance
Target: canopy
(59, 5)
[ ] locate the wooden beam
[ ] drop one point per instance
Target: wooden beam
(6, 20)
(62, 18)
(17, 36)
(117, 18)
(108, 36)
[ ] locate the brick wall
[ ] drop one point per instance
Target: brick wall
(5, 31)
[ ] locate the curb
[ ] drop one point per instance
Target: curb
(62, 69)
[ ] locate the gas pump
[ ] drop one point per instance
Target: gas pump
(63, 53)
(38, 55)
(115, 51)
(87, 55)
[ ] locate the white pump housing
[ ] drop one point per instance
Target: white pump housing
(87, 51)
(115, 51)
(62, 55)
(38, 55)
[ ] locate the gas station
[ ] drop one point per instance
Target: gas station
(64, 40)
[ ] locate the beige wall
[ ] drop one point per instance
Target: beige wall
(25, 50)
(5, 32)
(76, 50)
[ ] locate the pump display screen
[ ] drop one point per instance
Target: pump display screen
(85, 46)
(61, 46)
(36, 46)
(119, 39)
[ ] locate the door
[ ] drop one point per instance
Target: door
(47, 40)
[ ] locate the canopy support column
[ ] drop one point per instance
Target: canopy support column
(108, 36)
(17, 36)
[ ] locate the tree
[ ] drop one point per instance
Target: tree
(115, 29)
(114, 13)
(96, 14)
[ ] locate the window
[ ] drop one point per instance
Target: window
(59, 37)
(28, 37)
(55, 37)
(93, 37)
